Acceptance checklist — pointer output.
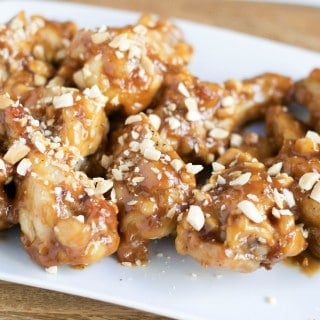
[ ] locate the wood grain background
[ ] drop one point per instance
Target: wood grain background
(292, 24)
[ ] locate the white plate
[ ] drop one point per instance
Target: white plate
(173, 285)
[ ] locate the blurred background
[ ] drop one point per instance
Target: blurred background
(295, 22)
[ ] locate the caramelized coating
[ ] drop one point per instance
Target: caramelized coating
(301, 160)
(256, 145)
(77, 118)
(307, 93)
(127, 64)
(68, 222)
(198, 118)
(281, 126)
(152, 187)
(30, 50)
(63, 214)
(237, 221)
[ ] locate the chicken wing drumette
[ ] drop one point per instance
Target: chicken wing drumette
(31, 51)
(63, 214)
(199, 118)
(128, 64)
(300, 159)
(68, 221)
(243, 218)
(152, 186)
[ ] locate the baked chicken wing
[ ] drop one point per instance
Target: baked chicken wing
(300, 160)
(31, 50)
(243, 218)
(128, 64)
(152, 186)
(63, 215)
(199, 118)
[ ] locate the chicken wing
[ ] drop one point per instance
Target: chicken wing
(152, 186)
(63, 214)
(31, 50)
(300, 159)
(128, 64)
(237, 220)
(198, 118)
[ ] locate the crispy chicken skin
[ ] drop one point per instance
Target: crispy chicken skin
(128, 63)
(307, 93)
(31, 51)
(237, 221)
(63, 215)
(198, 118)
(152, 186)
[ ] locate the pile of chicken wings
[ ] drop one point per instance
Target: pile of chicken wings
(108, 141)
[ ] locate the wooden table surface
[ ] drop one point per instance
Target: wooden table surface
(292, 24)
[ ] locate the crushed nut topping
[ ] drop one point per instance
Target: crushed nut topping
(249, 209)
(196, 217)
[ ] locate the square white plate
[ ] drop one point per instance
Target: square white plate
(173, 285)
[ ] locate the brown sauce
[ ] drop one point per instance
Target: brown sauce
(306, 262)
(78, 267)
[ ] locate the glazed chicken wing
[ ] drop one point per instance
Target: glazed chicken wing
(103, 132)
(63, 214)
(152, 186)
(128, 64)
(69, 221)
(243, 218)
(198, 118)
(301, 160)
(30, 51)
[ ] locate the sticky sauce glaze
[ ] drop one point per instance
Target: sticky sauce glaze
(306, 262)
